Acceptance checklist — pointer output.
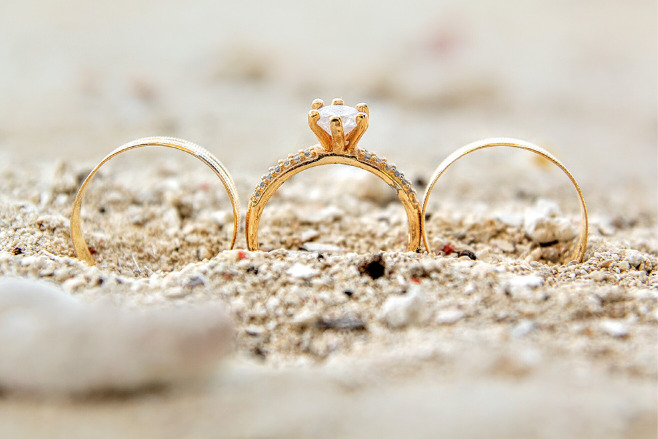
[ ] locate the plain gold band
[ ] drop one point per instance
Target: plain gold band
(317, 157)
(579, 250)
(79, 243)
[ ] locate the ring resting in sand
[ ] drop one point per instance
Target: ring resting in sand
(338, 129)
(578, 251)
(79, 243)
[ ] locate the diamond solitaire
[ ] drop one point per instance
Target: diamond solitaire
(347, 117)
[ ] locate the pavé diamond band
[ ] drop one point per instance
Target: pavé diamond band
(339, 129)
(79, 243)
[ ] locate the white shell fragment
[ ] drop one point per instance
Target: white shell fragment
(301, 271)
(401, 311)
(52, 343)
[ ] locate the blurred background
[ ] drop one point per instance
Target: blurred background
(79, 78)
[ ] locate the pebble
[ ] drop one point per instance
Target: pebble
(53, 343)
(634, 258)
(401, 311)
(305, 318)
(523, 286)
(301, 271)
(309, 235)
(319, 247)
(449, 316)
(523, 328)
(543, 224)
(614, 328)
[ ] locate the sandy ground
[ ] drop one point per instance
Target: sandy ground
(510, 344)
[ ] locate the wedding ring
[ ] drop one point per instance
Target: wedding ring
(578, 251)
(338, 128)
(79, 243)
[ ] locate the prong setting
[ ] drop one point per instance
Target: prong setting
(363, 108)
(338, 127)
(337, 135)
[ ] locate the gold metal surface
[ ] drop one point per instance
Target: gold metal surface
(578, 251)
(334, 149)
(79, 243)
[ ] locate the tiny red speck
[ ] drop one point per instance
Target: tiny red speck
(242, 255)
(415, 280)
(447, 249)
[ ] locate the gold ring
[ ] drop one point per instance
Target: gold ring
(79, 243)
(338, 128)
(578, 251)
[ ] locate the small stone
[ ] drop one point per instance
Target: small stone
(374, 266)
(401, 311)
(319, 247)
(346, 113)
(614, 328)
(254, 331)
(309, 235)
(522, 286)
(348, 323)
(542, 223)
(634, 258)
(52, 343)
(301, 271)
(305, 318)
(523, 328)
(449, 316)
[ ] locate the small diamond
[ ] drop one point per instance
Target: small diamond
(396, 173)
(347, 117)
(277, 169)
(262, 184)
(296, 158)
(286, 163)
(269, 176)
(367, 156)
(307, 153)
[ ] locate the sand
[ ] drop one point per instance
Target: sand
(338, 331)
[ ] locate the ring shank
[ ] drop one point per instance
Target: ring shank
(79, 243)
(410, 204)
(578, 251)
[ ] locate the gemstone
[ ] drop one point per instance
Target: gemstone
(347, 116)
(367, 156)
(307, 153)
(262, 184)
(277, 169)
(286, 163)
